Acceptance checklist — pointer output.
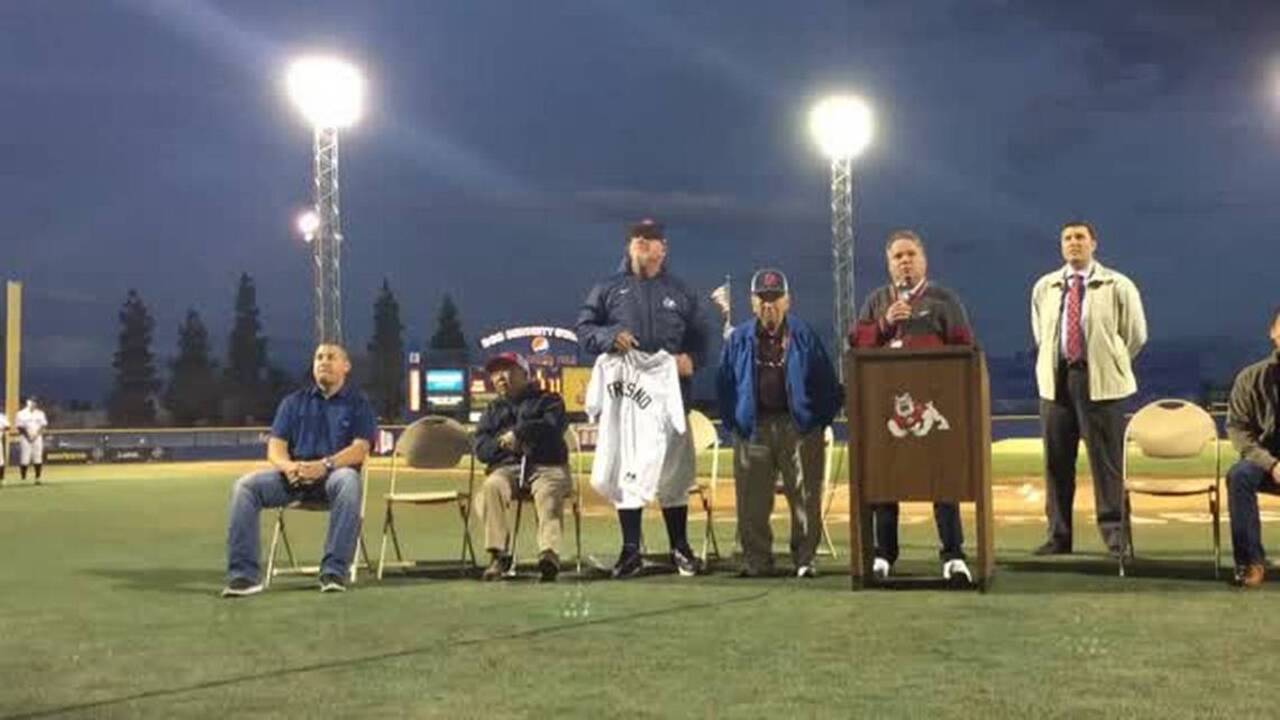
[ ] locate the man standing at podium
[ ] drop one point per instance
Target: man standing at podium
(1088, 325)
(911, 312)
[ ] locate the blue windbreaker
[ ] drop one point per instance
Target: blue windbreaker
(814, 393)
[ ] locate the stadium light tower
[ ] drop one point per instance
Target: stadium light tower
(842, 126)
(330, 93)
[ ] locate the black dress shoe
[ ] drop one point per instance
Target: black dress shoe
(1052, 547)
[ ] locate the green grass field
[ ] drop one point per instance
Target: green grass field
(110, 609)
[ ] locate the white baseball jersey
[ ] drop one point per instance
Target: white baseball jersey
(32, 423)
(640, 454)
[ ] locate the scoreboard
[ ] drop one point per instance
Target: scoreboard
(464, 392)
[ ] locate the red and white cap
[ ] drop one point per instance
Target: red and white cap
(504, 360)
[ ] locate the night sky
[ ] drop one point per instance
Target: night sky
(506, 145)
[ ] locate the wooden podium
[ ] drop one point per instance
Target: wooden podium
(919, 430)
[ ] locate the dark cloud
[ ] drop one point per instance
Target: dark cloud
(507, 144)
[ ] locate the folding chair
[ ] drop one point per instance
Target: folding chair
(430, 443)
(280, 537)
(524, 492)
(705, 437)
(829, 475)
(1172, 429)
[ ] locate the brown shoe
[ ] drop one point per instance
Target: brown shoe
(1251, 576)
(499, 564)
(548, 566)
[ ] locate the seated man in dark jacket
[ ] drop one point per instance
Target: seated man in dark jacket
(523, 423)
(1252, 426)
(777, 392)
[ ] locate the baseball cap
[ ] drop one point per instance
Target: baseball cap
(769, 284)
(648, 228)
(506, 359)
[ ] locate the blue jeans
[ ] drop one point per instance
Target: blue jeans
(268, 489)
(1244, 481)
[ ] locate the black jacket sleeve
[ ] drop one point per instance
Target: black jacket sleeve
(595, 332)
(541, 422)
(486, 437)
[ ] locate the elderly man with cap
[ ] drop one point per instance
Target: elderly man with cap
(913, 312)
(644, 307)
(778, 391)
(523, 429)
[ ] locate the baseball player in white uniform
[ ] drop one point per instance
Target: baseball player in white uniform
(31, 423)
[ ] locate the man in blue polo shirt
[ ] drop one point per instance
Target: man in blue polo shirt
(320, 437)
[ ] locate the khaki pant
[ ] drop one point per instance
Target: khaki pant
(550, 485)
(777, 451)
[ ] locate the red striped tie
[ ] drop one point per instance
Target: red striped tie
(1075, 339)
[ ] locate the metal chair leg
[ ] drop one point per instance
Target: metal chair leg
(1215, 512)
(288, 549)
(382, 553)
(706, 531)
(395, 542)
(271, 554)
(1128, 527)
(362, 551)
(513, 538)
(464, 509)
(1126, 537)
(577, 534)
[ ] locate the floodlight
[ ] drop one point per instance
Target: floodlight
(308, 224)
(329, 91)
(842, 125)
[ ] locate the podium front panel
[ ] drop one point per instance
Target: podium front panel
(914, 415)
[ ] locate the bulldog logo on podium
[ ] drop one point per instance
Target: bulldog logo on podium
(914, 418)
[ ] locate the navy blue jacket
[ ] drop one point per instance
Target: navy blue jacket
(661, 312)
(538, 420)
(814, 394)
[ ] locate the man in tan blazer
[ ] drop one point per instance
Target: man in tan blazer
(1088, 325)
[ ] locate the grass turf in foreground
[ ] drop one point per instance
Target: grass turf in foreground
(111, 611)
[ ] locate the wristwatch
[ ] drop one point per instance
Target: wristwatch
(328, 463)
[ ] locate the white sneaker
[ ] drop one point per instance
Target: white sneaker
(881, 568)
(957, 572)
(241, 587)
(807, 571)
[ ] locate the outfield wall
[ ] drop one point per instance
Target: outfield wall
(192, 444)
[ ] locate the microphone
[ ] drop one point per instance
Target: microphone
(904, 295)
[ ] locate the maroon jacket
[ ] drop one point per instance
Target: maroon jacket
(937, 319)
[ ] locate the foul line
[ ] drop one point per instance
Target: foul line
(369, 659)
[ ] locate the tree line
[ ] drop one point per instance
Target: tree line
(245, 387)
